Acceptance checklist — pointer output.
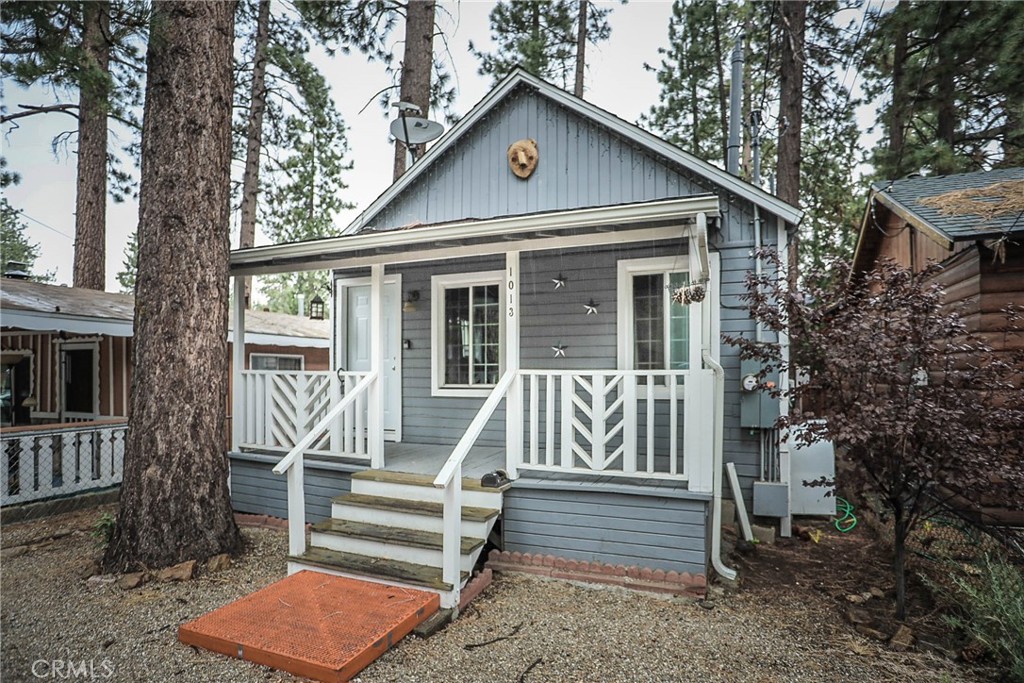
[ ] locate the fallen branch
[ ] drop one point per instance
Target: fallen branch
(473, 646)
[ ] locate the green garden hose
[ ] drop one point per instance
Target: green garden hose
(845, 521)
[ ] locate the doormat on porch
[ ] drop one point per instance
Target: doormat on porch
(323, 627)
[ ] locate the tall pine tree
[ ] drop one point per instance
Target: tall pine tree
(545, 37)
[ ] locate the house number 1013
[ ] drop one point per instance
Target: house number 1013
(511, 299)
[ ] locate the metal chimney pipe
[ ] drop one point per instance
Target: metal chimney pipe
(732, 161)
(755, 144)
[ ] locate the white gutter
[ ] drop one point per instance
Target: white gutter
(261, 339)
(716, 505)
(38, 321)
(626, 214)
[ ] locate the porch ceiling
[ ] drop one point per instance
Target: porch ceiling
(622, 223)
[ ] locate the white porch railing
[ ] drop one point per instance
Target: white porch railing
(640, 423)
(281, 408)
(43, 463)
(293, 463)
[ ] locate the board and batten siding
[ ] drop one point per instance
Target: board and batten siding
(602, 524)
(581, 164)
(255, 489)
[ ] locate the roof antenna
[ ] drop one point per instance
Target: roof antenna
(411, 129)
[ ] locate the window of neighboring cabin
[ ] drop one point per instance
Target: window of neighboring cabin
(656, 330)
(468, 329)
(266, 361)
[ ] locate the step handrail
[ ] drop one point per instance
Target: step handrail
(288, 460)
(447, 473)
(296, 492)
(450, 479)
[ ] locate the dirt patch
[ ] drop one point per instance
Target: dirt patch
(852, 573)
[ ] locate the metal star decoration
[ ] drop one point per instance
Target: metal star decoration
(559, 281)
(559, 350)
(591, 307)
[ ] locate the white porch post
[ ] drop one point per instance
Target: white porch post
(375, 407)
(238, 406)
(514, 398)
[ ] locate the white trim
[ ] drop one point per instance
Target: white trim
(627, 268)
(260, 339)
(329, 253)
(50, 322)
(585, 109)
(439, 283)
(302, 360)
(238, 403)
(340, 328)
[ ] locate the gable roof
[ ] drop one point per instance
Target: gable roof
(954, 208)
(40, 306)
(635, 134)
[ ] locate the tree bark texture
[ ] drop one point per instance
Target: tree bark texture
(254, 143)
(91, 185)
(581, 48)
(791, 110)
(174, 499)
(417, 63)
(723, 97)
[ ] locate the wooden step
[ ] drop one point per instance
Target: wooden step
(376, 568)
(410, 479)
(392, 535)
(415, 507)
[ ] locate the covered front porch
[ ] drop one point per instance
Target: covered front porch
(602, 419)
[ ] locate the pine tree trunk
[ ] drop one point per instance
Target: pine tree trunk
(91, 185)
(416, 65)
(900, 101)
(257, 106)
(791, 108)
(581, 48)
(723, 99)
(174, 499)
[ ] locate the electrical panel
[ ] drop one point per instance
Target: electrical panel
(758, 410)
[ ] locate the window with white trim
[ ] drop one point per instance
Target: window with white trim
(654, 331)
(468, 333)
(278, 362)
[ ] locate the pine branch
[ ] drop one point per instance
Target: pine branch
(32, 110)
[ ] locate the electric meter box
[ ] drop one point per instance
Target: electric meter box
(758, 410)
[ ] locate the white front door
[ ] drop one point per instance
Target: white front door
(354, 332)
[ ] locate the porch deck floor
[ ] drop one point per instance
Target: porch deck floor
(314, 625)
(420, 458)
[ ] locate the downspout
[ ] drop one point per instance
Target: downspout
(716, 505)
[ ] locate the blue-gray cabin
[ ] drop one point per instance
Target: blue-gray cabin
(564, 327)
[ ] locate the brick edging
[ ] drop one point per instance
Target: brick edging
(635, 578)
(260, 521)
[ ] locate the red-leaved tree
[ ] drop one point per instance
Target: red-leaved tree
(915, 403)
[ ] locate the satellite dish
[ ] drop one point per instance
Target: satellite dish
(413, 130)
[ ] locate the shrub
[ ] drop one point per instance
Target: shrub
(992, 612)
(103, 529)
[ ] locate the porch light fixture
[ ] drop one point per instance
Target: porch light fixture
(409, 306)
(316, 308)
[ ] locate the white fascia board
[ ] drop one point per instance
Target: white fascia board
(257, 338)
(627, 130)
(497, 229)
(35, 320)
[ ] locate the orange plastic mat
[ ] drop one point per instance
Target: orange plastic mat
(315, 625)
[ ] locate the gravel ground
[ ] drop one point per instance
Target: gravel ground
(544, 630)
